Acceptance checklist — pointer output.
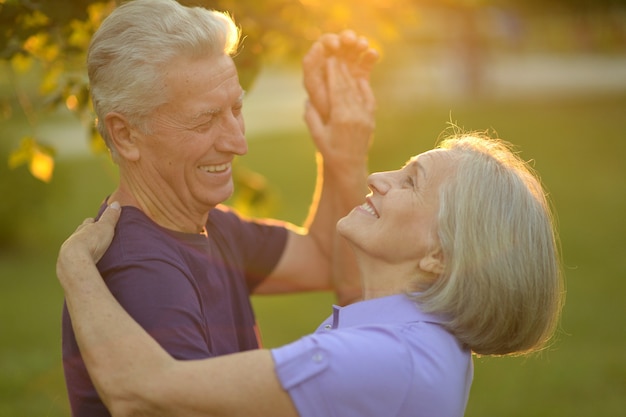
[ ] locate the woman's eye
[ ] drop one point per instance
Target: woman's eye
(410, 182)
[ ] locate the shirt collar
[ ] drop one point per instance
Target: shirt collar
(398, 308)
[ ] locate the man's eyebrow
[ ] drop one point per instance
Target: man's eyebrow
(205, 113)
(215, 111)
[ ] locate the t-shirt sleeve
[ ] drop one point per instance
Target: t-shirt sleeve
(347, 373)
(160, 297)
(256, 244)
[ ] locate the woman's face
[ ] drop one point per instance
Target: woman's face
(398, 221)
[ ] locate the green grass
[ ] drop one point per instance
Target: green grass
(579, 148)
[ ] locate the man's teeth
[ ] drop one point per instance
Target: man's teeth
(215, 168)
(369, 209)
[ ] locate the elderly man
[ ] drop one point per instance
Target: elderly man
(168, 101)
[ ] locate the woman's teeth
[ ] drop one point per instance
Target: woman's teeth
(369, 209)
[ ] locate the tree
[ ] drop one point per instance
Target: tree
(38, 35)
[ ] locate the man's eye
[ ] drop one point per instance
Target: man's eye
(203, 126)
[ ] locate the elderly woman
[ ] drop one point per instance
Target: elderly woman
(457, 254)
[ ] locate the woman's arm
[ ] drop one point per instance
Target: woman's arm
(132, 373)
(340, 117)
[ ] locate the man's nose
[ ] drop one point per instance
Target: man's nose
(232, 135)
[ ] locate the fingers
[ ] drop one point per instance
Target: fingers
(369, 99)
(93, 236)
(330, 42)
(368, 59)
(314, 77)
(342, 87)
(355, 50)
(346, 93)
(111, 214)
(352, 46)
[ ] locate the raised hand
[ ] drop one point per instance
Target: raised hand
(345, 134)
(354, 51)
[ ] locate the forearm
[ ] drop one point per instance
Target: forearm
(108, 338)
(135, 376)
(341, 186)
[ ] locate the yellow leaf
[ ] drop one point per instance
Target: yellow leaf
(41, 165)
(36, 19)
(71, 102)
(23, 154)
(21, 63)
(98, 11)
(50, 80)
(35, 43)
(42, 47)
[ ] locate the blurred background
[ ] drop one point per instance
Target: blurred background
(547, 76)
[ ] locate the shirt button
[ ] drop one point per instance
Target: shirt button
(328, 327)
(318, 357)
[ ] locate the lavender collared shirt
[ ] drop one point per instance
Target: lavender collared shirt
(379, 357)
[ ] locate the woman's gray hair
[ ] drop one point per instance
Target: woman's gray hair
(502, 289)
(136, 42)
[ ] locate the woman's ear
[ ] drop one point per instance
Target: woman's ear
(122, 136)
(433, 262)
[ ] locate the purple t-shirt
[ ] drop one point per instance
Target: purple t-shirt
(380, 357)
(189, 291)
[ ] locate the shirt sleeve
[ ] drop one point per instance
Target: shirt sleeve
(162, 299)
(356, 372)
(256, 244)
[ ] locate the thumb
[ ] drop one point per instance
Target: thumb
(111, 214)
(101, 234)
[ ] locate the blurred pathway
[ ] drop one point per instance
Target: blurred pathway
(276, 101)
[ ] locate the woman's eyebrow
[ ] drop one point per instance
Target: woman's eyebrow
(414, 164)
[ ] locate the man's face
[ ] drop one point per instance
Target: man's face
(195, 135)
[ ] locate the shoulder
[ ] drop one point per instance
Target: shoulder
(347, 359)
(137, 236)
(231, 228)
(224, 217)
(141, 247)
(385, 366)
(384, 348)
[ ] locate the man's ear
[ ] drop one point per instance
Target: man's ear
(433, 262)
(122, 136)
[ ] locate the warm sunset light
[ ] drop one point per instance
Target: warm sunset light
(375, 3)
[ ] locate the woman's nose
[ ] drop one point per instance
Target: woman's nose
(379, 182)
